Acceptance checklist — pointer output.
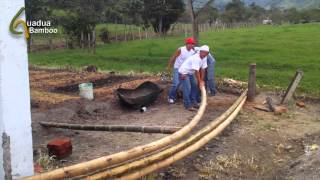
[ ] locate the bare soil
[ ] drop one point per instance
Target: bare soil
(258, 145)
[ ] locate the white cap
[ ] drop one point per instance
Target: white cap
(197, 49)
(204, 48)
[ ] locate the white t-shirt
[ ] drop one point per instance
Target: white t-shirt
(184, 54)
(192, 64)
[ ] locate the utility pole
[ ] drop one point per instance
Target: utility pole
(16, 154)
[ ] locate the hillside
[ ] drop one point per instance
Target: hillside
(284, 4)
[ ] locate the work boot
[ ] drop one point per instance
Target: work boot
(196, 105)
(192, 109)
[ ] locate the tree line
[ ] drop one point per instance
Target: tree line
(236, 11)
(79, 18)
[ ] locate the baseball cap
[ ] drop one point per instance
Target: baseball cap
(190, 40)
(204, 48)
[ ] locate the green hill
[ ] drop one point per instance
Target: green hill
(284, 4)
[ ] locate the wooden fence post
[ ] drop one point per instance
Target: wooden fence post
(147, 36)
(292, 87)
(89, 41)
(140, 33)
(252, 83)
(116, 36)
(125, 32)
(132, 33)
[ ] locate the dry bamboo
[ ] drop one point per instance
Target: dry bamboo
(194, 147)
(112, 128)
(103, 162)
(172, 150)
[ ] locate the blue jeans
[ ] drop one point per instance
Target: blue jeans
(175, 84)
(190, 90)
(210, 80)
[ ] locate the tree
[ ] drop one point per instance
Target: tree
(130, 10)
(161, 13)
(235, 12)
(195, 28)
(276, 15)
(81, 17)
(208, 14)
(292, 15)
(255, 12)
(194, 11)
(314, 15)
(36, 9)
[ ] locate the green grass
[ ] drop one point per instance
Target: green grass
(278, 52)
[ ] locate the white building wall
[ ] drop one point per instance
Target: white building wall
(15, 116)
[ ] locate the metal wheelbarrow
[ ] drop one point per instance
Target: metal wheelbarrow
(144, 95)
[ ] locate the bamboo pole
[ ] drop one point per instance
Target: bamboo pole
(172, 150)
(112, 128)
(103, 162)
(194, 147)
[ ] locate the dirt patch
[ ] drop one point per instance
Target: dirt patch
(257, 145)
(42, 99)
(108, 81)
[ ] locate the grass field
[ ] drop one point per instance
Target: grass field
(277, 50)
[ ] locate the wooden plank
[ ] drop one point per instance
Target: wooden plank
(262, 108)
(292, 87)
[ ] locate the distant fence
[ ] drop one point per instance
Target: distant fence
(138, 33)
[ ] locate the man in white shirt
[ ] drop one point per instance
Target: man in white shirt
(210, 77)
(176, 61)
(193, 66)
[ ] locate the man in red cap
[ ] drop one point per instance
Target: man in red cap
(193, 68)
(176, 60)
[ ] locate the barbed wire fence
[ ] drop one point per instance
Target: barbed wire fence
(124, 33)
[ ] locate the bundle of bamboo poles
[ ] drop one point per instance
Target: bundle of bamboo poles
(185, 152)
(112, 128)
(106, 161)
(176, 152)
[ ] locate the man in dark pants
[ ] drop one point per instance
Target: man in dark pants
(209, 77)
(210, 80)
(176, 61)
(191, 70)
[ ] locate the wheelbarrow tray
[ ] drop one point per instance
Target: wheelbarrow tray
(144, 95)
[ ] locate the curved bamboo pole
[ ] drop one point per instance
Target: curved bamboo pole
(168, 152)
(112, 128)
(197, 145)
(103, 162)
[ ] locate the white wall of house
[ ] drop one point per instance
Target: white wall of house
(16, 154)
